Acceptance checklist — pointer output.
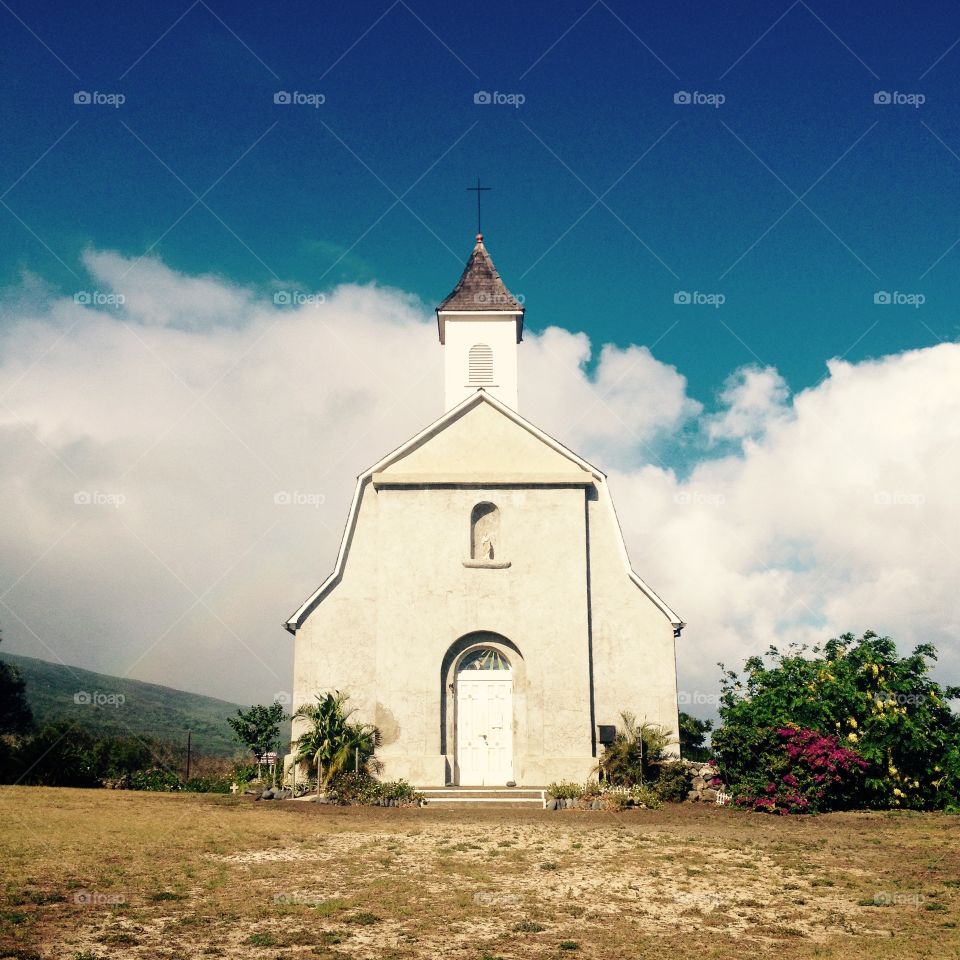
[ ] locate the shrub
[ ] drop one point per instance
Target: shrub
(208, 784)
(672, 782)
(618, 798)
(635, 751)
(62, 754)
(361, 788)
(883, 708)
(617, 801)
(565, 790)
(154, 778)
(801, 771)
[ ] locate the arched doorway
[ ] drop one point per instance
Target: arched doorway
(484, 718)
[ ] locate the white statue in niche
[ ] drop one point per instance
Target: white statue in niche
(484, 530)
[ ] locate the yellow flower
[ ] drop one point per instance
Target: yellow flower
(897, 792)
(916, 784)
(852, 737)
(875, 669)
(852, 722)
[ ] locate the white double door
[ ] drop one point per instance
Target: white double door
(484, 731)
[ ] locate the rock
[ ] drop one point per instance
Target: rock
(596, 805)
(693, 795)
(709, 795)
(552, 803)
(698, 783)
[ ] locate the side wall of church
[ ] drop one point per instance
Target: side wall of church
(633, 645)
(335, 646)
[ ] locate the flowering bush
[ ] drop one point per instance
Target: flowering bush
(850, 694)
(802, 772)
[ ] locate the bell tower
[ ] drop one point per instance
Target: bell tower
(480, 324)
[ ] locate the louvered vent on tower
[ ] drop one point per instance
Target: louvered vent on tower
(480, 361)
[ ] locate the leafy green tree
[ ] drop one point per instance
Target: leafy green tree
(331, 743)
(636, 748)
(884, 707)
(259, 727)
(120, 757)
(16, 716)
(693, 735)
(62, 754)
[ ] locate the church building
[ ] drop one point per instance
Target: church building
(482, 610)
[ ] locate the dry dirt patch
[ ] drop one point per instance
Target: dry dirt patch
(98, 874)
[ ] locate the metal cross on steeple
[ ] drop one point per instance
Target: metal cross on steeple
(478, 190)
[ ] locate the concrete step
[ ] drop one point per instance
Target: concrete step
(468, 796)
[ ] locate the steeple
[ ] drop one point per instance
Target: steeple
(480, 324)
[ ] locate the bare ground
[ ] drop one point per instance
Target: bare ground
(97, 874)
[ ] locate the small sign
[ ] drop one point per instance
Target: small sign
(606, 734)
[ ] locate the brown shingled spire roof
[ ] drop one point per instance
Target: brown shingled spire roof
(480, 289)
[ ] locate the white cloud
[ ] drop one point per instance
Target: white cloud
(197, 401)
(842, 517)
(753, 399)
(617, 414)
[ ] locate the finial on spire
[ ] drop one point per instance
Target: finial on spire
(478, 190)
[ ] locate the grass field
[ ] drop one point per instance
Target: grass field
(117, 874)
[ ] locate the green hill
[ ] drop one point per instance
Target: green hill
(118, 706)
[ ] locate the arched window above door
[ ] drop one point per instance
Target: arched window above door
(484, 658)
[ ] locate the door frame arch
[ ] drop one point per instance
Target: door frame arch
(448, 695)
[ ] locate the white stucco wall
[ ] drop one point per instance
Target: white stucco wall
(633, 644)
(404, 597)
(461, 332)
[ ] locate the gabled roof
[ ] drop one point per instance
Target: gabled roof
(481, 290)
(481, 396)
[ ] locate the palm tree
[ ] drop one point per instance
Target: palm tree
(331, 741)
(635, 747)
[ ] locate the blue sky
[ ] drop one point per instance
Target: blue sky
(765, 497)
(796, 199)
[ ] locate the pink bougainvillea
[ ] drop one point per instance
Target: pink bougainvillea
(808, 772)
